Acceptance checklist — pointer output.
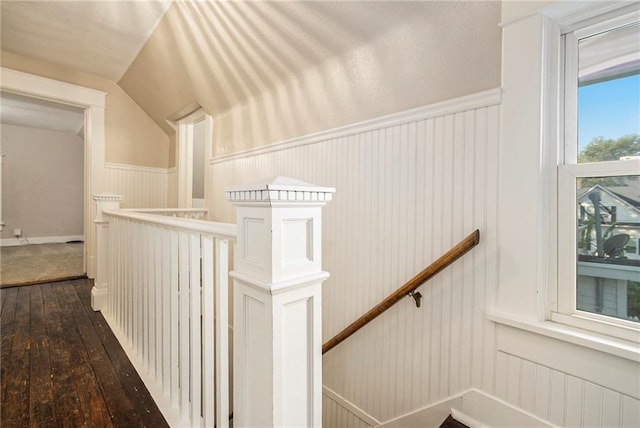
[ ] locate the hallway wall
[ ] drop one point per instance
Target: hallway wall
(42, 182)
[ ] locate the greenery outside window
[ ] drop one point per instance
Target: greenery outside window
(599, 179)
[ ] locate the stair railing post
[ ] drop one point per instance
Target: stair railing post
(277, 277)
(100, 285)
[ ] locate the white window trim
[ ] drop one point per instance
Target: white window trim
(539, 29)
(561, 305)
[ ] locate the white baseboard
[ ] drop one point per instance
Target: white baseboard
(12, 242)
(350, 407)
(481, 410)
(466, 419)
(98, 298)
(429, 416)
(474, 408)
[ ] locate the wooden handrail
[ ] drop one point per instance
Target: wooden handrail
(427, 273)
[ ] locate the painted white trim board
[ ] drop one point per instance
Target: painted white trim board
(137, 168)
(467, 420)
(352, 408)
(473, 408)
(479, 409)
(44, 88)
(455, 105)
(431, 415)
(14, 242)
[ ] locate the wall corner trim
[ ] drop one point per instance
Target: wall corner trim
(456, 105)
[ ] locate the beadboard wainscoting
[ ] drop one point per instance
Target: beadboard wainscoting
(140, 186)
(561, 398)
(338, 412)
(409, 187)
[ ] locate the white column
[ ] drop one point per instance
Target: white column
(100, 285)
(277, 303)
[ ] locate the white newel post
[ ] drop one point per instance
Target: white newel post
(100, 284)
(277, 303)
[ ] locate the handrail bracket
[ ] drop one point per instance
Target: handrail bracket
(417, 296)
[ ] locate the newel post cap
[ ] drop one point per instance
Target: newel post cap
(279, 190)
(107, 197)
(106, 201)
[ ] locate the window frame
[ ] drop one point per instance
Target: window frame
(562, 302)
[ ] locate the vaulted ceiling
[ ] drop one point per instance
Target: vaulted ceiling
(172, 56)
(97, 37)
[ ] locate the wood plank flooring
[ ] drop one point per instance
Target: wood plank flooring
(61, 366)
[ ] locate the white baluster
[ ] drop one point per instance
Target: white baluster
(151, 293)
(208, 337)
(183, 243)
(158, 286)
(166, 311)
(222, 331)
(196, 337)
(137, 286)
(175, 313)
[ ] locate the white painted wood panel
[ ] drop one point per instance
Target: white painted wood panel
(563, 399)
(141, 187)
(407, 192)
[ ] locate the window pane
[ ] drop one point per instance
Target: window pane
(609, 95)
(608, 246)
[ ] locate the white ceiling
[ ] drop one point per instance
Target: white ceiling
(34, 113)
(97, 37)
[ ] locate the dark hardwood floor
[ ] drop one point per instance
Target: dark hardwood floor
(62, 366)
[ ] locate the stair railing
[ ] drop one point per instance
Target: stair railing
(408, 289)
(162, 286)
(193, 213)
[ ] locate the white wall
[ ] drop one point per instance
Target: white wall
(409, 187)
(42, 183)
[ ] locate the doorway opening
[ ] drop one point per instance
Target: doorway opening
(195, 134)
(92, 103)
(42, 190)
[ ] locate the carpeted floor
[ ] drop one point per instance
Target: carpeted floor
(40, 263)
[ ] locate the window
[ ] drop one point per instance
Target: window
(599, 179)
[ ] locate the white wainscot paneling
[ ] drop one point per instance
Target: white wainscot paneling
(562, 398)
(141, 187)
(336, 415)
(409, 187)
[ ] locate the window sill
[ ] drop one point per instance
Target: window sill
(599, 342)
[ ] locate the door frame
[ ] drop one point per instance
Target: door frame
(93, 102)
(184, 154)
